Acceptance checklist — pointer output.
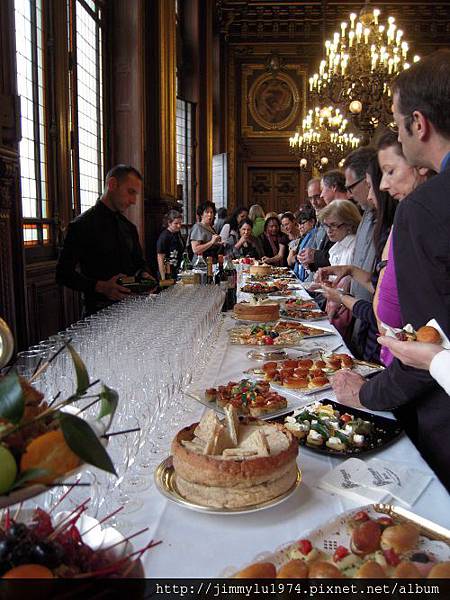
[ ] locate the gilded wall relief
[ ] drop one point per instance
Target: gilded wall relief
(272, 101)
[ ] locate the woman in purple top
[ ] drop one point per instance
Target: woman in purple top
(399, 179)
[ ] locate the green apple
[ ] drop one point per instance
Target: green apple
(8, 470)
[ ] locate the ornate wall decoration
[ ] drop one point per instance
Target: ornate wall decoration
(273, 100)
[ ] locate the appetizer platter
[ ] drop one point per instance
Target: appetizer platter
(310, 373)
(337, 430)
(263, 287)
(230, 466)
(253, 398)
(375, 541)
(282, 333)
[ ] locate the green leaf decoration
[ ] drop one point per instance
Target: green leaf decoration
(12, 400)
(108, 404)
(29, 475)
(80, 370)
(82, 440)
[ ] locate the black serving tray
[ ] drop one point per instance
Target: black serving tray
(386, 431)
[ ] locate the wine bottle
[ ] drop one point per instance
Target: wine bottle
(231, 274)
(186, 264)
(209, 270)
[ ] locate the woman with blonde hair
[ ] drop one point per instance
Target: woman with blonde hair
(340, 219)
(256, 215)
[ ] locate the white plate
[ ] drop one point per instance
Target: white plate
(335, 533)
(166, 484)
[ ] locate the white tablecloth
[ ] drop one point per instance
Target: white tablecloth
(203, 545)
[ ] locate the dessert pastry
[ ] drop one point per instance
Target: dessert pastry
(252, 462)
(400, 538)
(260, 270)
(294, 569)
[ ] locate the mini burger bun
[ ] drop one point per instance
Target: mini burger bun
(370, 570)
(294, 569)
(400, 538)
(440, 571)
(324, 570)
(428, 334)
(406, 570)
(258, 571)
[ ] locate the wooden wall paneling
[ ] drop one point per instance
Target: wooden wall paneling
(127, 93)
(205, 112)
(12, 277)
(160, 118)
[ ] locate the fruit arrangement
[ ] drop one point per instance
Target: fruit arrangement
(46, 548)
(41, 442)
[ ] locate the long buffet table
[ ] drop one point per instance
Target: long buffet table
(206, 545)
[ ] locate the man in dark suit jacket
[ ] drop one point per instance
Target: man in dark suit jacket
(421, 238)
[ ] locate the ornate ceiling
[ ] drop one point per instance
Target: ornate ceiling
(426, 23)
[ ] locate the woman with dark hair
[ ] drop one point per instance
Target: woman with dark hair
(274, 243)
(247, 245)
(359, 308)
(230, 230)
(170, 246)
(203, 238)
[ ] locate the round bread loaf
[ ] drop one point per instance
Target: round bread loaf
(262, 313)
(260, 269)
(214, 470)
(428, 334)
(240, 495)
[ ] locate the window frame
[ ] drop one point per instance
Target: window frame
(188, 203)
(73, 108)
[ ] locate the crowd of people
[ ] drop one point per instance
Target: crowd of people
(372, 239)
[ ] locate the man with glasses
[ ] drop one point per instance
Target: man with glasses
(421, 234)
(355, 167)
(316, 254)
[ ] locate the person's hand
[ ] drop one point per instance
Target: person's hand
(111, 289)
(306, 256)
(216, 239)
(346, 385)
(264, 259)
(331, 294)
(145, 275)
(332, 275)
(413, 354)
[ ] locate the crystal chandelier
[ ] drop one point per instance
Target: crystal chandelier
(359, 65)
(323, 140)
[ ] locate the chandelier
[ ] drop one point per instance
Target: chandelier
(360, 63)
(323, 140)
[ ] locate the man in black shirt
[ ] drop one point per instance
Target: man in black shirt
(102, 245)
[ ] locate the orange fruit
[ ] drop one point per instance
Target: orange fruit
(29, 572)
(51, 452)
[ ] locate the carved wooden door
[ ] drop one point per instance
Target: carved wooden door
(276, 190)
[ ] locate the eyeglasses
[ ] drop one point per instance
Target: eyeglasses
(333, 225)
(348, 188)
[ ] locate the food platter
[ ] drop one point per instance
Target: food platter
(199, 396)
(381, 431)
(165, 481)
(434, 540)
(363, 368)
(284, 334)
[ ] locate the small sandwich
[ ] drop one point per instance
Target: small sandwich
(207, 426)
(257, 441)
(429, 335)
(370, 570)
(324, 570)
(400, 538)
(232, 422)
(294, 569)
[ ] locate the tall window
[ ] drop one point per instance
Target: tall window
(185, 155)
(32, 147)
(85, 38)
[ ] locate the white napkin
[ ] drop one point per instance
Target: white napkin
(374, 479)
